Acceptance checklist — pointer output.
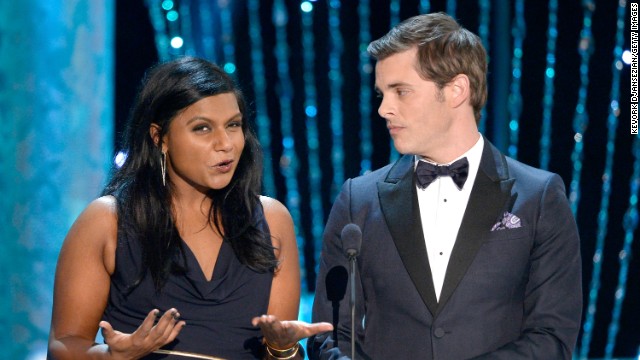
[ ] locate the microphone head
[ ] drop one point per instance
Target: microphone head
(351, 240)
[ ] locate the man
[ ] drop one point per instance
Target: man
(479, 260)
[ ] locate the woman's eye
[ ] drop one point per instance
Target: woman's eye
(235, 124)
(201, 128)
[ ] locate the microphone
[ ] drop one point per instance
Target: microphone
(336, 284)
(351, 241)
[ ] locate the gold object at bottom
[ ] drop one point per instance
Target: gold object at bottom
(187, 354)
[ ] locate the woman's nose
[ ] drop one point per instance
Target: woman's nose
(222, 141)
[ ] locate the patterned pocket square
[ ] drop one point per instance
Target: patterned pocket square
(508, 221)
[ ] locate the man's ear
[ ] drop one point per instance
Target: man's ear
(459, 90)
(154, 132)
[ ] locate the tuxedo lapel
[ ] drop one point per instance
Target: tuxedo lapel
(489, 198)
(399, 204)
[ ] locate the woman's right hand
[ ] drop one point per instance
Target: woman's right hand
(150, 336)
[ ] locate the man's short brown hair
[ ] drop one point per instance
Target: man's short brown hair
(445, 50)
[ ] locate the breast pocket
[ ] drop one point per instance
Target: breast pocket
(508, 234)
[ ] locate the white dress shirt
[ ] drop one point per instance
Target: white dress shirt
(442, 206)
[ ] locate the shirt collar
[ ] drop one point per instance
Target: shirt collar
(473, 155)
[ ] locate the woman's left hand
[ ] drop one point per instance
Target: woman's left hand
(285, 334)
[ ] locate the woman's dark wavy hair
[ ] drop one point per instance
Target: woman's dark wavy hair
(144, 203)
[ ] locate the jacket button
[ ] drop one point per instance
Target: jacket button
(439, 332)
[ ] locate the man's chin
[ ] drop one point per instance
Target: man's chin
(400, 148)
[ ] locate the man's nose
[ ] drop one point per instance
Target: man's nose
(385, 109)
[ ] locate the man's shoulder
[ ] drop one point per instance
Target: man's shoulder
(515, 169)
(519, 168)
(390, 172)
(533, 178)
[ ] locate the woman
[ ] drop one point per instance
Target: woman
(181, 256)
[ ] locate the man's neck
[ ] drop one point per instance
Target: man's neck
(452, 148)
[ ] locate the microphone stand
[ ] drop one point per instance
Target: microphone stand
(352, 303)
(351, 241)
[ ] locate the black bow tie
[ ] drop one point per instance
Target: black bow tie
(427, 172)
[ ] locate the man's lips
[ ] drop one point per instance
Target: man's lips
(394, 128)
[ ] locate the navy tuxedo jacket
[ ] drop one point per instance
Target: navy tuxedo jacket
(510, 294)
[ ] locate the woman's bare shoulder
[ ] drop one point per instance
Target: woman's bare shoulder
(100, 212)
(279, 220)
(95, 230)
(273, 207)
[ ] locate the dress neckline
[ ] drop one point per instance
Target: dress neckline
(194, 266)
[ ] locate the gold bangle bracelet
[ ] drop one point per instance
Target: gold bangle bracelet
(283, 354)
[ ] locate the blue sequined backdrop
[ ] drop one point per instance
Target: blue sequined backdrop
(559, 99)
(56, 111)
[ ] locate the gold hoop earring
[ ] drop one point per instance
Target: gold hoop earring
(163, 168)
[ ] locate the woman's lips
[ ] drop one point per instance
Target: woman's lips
(224, 166)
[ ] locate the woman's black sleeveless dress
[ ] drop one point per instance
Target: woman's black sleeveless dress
(218, 313)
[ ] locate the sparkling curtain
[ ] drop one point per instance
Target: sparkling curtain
(558, 91)
(56, 92)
